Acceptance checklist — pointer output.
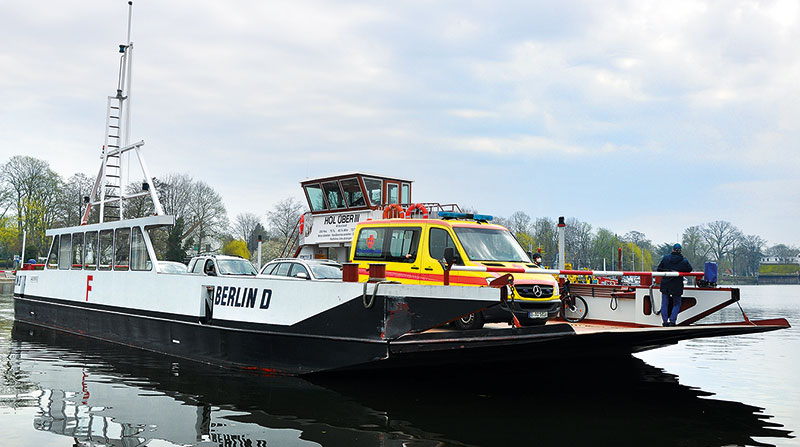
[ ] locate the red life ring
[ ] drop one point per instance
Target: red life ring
(302, 222)
(417, 206)
(392, 211)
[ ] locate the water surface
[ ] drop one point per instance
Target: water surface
(62, 390)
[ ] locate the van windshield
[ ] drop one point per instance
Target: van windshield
(490, 244)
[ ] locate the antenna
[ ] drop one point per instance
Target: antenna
(109, 187)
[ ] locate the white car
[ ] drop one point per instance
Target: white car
(214, 265)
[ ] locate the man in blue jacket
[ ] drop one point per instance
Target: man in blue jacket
(672, 286)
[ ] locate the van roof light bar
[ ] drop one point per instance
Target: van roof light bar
(467, 216)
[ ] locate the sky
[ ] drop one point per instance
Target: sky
(629, 115)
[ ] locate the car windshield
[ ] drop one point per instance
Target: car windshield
(236, 267)
(326, 271)
(490, 244)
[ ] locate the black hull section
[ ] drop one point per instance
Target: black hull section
(266, 351)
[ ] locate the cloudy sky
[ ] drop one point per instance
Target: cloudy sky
(630, 115)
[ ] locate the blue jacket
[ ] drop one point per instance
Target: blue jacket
(673, 262)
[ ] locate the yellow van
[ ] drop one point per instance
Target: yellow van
(412, 250)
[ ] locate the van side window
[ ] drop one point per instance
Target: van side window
(369, 244)
(439, 240)
(403, 245)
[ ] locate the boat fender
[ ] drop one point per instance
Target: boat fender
(392, 211)
(417, 206)
(302, 222)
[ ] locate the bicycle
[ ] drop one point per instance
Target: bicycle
(573, 307)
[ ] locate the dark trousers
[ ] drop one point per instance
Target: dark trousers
(670, 306)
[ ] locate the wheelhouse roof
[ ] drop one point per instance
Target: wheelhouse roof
(351, 175)
(149, 221)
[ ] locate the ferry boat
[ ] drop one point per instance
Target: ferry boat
(103, 280)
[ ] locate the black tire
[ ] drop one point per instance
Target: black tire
(577, 313)
(469, 322)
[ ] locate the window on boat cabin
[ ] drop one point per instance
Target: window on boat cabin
(392, 193)
(52, 258)
(374, 190)
(369, 244)
(90, 255)
(122, 248)
(405, 195)
(140, 259)
(334, 195)
(438, 240)
(283, 269)
(403, 244)
(296, 269)
(353, 194)
(65, 253)
(106, 249)
(315, 197)
(77, 251)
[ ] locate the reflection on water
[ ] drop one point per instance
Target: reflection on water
(85, 392)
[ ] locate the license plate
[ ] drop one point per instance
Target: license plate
(537, 315)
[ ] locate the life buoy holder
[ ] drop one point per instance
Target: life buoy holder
(302, 222)
(417, 206)
(392, 211)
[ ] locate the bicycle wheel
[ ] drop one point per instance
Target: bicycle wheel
(577, 312)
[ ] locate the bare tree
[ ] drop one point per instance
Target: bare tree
(206, 216)
(33, 189)
(546, 238)
(694, 246)
(174, 192)
(578, 242)
(721, 237)
(244, 224)
(283, 220)
(519, 222)
(751, 249)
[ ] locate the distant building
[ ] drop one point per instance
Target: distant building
(779, 270)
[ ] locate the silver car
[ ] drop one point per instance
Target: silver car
(313, 269)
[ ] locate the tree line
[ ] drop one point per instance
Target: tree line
(719, 241)
(33, 198)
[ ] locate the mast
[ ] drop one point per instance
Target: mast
(109, 187)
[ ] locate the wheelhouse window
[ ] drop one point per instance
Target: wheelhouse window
(52, 258)
(105, 249)
(65, 253)
(315, 197)
(334, 195)
(374, 191)
(405, 195)
(353, 194)
(122, 248)
(392, 193)
(77, 251)
(140, 259)
(90, 256)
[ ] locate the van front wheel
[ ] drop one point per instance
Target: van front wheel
(471, 321)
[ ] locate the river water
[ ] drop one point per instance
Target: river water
(62, 390)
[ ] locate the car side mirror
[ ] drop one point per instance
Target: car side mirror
(302, 275)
